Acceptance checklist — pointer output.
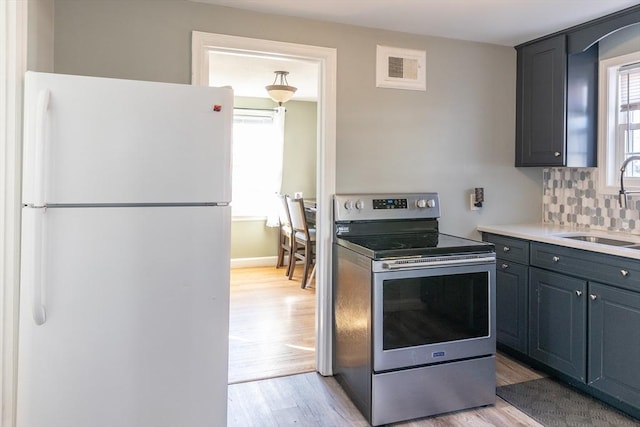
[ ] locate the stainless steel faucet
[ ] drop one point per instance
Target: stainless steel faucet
(622, 195)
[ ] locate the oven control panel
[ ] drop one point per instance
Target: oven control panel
(389, 204)
(364, 207)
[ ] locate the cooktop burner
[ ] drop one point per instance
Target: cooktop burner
(428, 244)
(378, 243)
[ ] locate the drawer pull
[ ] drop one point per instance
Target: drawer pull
(505, 266)
(624, 273)
(593, 297)
(556, 154)
(579, 293)
(556, 258)
(506, 249)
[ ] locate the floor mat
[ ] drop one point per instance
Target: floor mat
(554, 404)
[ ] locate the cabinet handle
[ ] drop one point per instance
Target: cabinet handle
(593, 297)
(624, 273)
(557, 154)
(505, 266)
(579, 293)
(506, 249)
(555, 259)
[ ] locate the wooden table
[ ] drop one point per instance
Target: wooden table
(310, 209)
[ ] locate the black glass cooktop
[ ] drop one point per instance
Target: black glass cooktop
(418, 244)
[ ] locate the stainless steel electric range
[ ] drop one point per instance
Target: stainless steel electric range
(414, 309)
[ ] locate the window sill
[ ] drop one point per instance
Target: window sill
(610, 190)
(615, 191)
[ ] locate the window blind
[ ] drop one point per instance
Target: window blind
(629, 84)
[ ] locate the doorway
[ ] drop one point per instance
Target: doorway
(325, 59)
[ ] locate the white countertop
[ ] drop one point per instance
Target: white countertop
(547, 233)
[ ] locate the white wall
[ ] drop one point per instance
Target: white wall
(457, 135)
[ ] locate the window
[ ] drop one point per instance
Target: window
(258, 142)
(619, 120)
(628, 122)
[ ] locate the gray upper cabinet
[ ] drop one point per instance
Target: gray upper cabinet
(556, 105)
(584, 36)
(557, 93)
(541, 103)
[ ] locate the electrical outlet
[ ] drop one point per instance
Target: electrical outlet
(472, 202)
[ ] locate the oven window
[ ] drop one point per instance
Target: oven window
(428, 310)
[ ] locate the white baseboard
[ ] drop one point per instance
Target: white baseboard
(269, 261)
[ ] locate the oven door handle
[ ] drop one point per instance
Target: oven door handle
(436, 262)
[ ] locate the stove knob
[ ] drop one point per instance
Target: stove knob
(421, 203)
(431, 203)
(348, 205)
(359, 204)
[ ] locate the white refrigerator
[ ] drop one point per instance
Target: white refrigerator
(124, 295)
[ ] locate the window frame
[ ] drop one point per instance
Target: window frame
(610, 151)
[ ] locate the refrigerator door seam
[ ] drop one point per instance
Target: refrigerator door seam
(134, 205)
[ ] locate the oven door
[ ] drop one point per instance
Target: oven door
(430, 315)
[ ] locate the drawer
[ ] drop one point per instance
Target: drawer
(593, 266)
(509, 248)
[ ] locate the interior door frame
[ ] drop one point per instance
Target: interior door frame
(201, 44)
(13, 64)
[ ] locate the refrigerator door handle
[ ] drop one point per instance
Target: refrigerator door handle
(38, 168)
(33, 264)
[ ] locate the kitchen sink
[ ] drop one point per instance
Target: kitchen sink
(603, 241)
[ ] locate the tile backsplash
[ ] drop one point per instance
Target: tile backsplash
(570, 197)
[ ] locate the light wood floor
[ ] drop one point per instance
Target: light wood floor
(272, 336)
(271, 324)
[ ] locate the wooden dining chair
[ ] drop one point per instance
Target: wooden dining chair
(304, 239)
(285, 239)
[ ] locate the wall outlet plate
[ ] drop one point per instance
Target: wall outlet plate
(472, 202)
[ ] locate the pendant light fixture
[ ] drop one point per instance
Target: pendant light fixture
(280, 91)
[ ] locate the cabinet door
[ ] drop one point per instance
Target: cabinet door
(511, 304)
(557, 320)
(541, 103)
(614, 342)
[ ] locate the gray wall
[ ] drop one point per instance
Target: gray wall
(40, 35)
(457, 135)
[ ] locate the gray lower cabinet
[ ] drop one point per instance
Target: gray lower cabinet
(557, 321)
(585, 318)
(512, 278)
(511, 304)
(614, 342)
(574, 311)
